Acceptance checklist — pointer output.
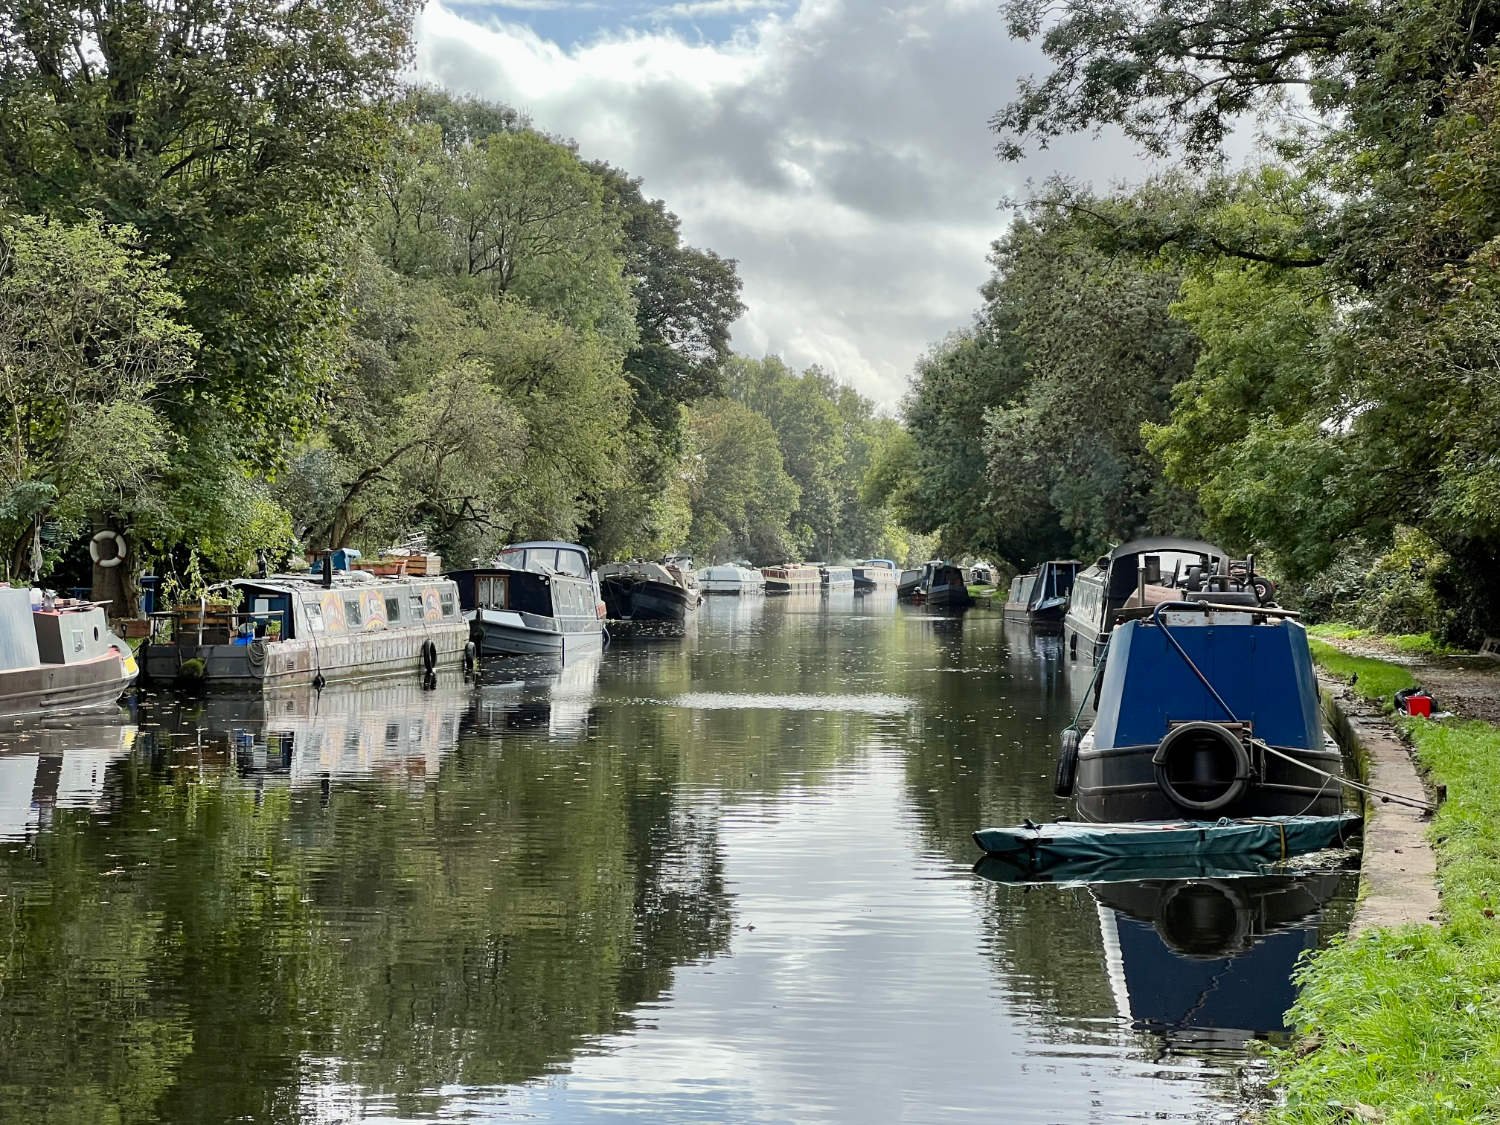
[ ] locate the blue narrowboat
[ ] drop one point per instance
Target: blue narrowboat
(1204, 711)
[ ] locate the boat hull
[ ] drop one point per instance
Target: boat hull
(949, 597)
(336, 659)
(634, 599)
(500, 632)
(65, 689)
(1120, 784)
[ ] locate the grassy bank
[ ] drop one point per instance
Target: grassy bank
(1404, 1025)
(1424, 644)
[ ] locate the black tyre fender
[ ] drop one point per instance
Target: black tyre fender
(1235, 785)
(429, 656)
(1067, 764)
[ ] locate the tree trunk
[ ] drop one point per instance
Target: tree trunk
(116, 585)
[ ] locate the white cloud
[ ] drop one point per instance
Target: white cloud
(698, 9)
(839, 151)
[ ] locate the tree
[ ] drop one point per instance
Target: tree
(89, 341)
(742, 496)
(232, 135)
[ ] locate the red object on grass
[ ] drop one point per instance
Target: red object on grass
(1419, 705)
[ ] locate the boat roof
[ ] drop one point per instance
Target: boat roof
(546, 544)
(638, 567)
(889, 564)
(341, 578)
(1166, 543)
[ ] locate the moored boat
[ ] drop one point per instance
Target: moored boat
(536, 598)
(945, 587)
(1204, 711)
(58, 659)
(645, 591)
(289, 629)
(874, 575)
(790, 578)
(731, 578)
(912, 582)
(836, 577)
(1040, 597)
(1141, 572)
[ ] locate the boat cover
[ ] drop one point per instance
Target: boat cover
(1272, 837)
(1018, 870)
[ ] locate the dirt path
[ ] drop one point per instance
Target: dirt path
(1466, 685)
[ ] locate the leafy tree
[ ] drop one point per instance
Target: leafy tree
(231, 134)
(742, 495)
(89, 340)
(686, 299)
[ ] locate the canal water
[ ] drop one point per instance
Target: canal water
(722, 877)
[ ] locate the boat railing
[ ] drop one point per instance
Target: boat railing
(215, 625)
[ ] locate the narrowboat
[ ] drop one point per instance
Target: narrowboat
(945, 587)
(1204, 712)
(291, 629)
(1040, 597)
(913, 582)
(875, 574)
(791, 578)
(645, 591)
(836, 577)
(1141, 572)
(731, 578)
(58, 657)
(535, 598)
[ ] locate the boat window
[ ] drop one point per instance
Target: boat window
(414, 599)
(448, 607)
(571, 562)
(314, 616)
(491, 592)
(393, 610)
(352, 613)
(516, 559)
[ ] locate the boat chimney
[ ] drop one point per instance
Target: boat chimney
(1140, 587)
(327, 570)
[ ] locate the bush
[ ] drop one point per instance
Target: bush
(1391, 592)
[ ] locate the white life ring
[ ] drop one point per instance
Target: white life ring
(120, 548)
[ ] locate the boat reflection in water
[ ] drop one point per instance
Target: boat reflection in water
(391, 730)
(537, 695)
(1209, 962)
(1206, 962)
(58, 766)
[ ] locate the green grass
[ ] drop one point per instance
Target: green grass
(1337, 631)
(1406, 1023)
(1424, 644)
(1377, 679)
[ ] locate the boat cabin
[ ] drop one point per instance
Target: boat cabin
(1157, 568)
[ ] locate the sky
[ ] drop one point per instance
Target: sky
(838, 150)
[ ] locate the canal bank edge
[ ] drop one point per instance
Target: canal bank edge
(1398, 869)
(1401, 1023)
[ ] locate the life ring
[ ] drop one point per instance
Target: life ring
(1202, 766)
(429, 656)
(121, 550)
(1067, 764)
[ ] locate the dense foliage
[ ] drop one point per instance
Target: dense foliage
(1306, 344)
(260, 300)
